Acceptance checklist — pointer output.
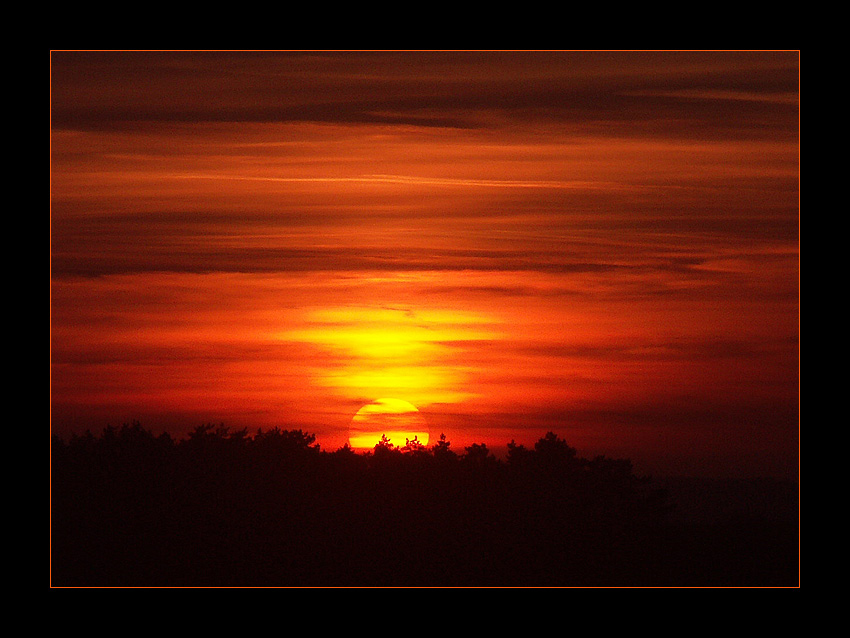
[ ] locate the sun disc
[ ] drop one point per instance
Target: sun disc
(398, 420)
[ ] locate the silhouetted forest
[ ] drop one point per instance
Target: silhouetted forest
(224, 508)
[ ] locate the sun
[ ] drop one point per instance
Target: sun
(398, 420)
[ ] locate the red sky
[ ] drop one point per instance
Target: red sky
(600, 244)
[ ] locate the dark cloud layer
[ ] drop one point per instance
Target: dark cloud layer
(703, 95)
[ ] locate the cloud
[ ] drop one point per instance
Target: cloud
(629, 220)
(648, 92)
(672, 350)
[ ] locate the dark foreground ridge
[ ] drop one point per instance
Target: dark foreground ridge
(223, 508)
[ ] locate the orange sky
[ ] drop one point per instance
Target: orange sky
(601, 244)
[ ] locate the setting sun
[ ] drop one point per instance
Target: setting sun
(424, 318)
(398, 420)
(601, 244)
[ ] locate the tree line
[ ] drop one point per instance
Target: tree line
(221, 507)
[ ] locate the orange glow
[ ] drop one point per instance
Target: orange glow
(601, 245)
(397, 420)
(387, 351)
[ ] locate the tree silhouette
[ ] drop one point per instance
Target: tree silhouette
(223, 508)
(414, 446)
(555, 450)
(385, 452)
(442, 450)
(518, 455)
(478, 455)
(285, 442)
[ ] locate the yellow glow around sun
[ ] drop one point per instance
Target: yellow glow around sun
(391, 333)
(398, 420)
(398, 350)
